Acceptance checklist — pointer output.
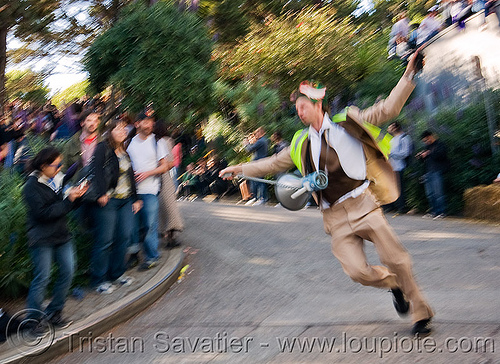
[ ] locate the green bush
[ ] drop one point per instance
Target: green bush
(15, 262)
(15, 267)
(464, 131)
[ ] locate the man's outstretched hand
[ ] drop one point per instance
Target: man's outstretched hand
(230, 172)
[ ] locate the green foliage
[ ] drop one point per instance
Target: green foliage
(70, 94)
(27, 86)
(295, 47)
(156, 54)
(378, 83)
(15, 268)
(230, 22)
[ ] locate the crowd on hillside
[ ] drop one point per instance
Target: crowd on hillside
(406, 36)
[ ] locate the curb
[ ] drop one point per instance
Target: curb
(106, 318)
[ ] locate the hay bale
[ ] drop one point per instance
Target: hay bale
(483, 202)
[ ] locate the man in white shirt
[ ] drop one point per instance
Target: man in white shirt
(359, 179)
(148, 157)
(401, 149)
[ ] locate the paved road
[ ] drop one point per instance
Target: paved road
(262, 275)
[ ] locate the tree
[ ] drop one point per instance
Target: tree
(27, 86)
(70, 94)
(156, 55)
(29, 20)
(295, 47)
(230, 20)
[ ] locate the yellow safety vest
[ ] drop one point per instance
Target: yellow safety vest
(383, 140)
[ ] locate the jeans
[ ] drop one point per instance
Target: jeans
(435, 192)
(146, 226)
(113, 232)
(262, 191)
(42, 257)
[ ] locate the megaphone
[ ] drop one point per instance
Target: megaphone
(293, 192)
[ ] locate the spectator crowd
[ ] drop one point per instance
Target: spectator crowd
(407, 36)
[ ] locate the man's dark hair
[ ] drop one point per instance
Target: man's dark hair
(44, 157)
(84, 115)
(426, 134)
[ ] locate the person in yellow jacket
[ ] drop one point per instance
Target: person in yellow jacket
(347, 148)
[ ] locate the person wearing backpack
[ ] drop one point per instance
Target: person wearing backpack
(401, 152)
(149, 161)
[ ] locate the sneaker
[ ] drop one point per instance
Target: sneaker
(259, 202)
(105, 288)
(250, 202)
(428, 216)
(148, 265)
(58, 321)
(440, 216)
(124, 281)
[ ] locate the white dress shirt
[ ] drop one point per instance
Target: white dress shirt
(349, 150)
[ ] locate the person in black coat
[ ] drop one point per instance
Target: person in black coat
(436, 164)
(114, 212)
(48, 234)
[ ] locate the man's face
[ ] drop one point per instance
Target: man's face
(428, 140)
(91, 123)
(146, 126)
(307, 110)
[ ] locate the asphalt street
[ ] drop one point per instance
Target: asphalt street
(263, 287)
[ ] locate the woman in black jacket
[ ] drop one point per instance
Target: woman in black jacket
(48, 234)
(114, 213)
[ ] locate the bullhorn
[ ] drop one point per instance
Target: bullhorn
(293, 192)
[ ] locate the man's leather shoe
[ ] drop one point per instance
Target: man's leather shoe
(400, 304)
(422, 328)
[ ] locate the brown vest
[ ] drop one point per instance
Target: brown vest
(338, 182)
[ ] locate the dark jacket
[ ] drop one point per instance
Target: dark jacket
(72, 152)
(437, 160)
(259, 148)
(107, 170)
(46, 214)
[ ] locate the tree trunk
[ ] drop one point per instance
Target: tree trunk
(3, 64)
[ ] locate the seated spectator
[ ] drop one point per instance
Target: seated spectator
(187, 185)
(491, 6)
(218, 186)
(399, 33)
(429, 27)
(49, 237)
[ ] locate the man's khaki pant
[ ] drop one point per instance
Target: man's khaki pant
(357, 219)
